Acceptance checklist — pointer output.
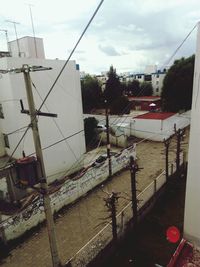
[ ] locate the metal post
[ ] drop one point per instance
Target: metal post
(166, 143)
(14, 24)
(133, 170)
(108, 140)
(43, 181)
(33, 29)
(113, 216)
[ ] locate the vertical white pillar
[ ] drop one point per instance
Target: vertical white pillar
(192, 202)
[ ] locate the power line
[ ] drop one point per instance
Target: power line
(168, 61)
(61, 71)
(50, 90)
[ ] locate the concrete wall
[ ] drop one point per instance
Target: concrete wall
(192, 214)
(157, 83)
(158, 130)
(65, 100)
(27, 47)
(71, 190)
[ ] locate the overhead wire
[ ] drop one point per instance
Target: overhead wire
(61, 71)
(177, 49)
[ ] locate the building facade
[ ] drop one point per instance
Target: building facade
(65, 101)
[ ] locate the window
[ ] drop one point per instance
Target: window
(157, 76)
(157, 82)
(139, 76)
(1, 112)
(157, 89)
(6, 141)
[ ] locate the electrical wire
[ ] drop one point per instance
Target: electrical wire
(72, 52)
(177, 49)
(61, 71)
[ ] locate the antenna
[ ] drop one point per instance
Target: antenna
(14, 24)
(31, 15)
(6, 33)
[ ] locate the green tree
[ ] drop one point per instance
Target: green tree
(146, 89)
(133, 88)
(178, 85)
(120, 106)
(91, 93)
(113, 88)
(90, 124)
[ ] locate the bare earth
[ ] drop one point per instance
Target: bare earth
(77, 224)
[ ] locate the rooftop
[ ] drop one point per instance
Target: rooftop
(144, 98)
(156, 115)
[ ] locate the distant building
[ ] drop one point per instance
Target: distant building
(157, 82)
(145, 103)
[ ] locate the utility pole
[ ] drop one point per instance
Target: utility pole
(7, 41)
(179, 135)
(14, 24)
(43, 181)
(33, 29)
(111, 204)
(108, 140)
(167, 143)
(133, 169)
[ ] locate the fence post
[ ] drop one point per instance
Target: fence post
(133, 170)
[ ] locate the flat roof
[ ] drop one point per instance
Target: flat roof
(144, 98)
(155, 115)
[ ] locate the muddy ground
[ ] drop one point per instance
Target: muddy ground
(78, 223)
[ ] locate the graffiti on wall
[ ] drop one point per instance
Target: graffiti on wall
(71, 190)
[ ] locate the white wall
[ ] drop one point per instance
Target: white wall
(192, 214)
(157, 82)
(71, 190)
(158, 130)
(65, 100)
(27, 47)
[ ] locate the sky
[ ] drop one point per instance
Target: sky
(128, 34)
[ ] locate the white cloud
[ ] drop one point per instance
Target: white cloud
(134, 32)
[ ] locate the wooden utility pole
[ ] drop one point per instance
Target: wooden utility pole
(133, 170)
(111, 204)
(167, 143)
(108, 140)
(43, 181)
(179, 135)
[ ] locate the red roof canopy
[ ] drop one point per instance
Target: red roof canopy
(155, 115)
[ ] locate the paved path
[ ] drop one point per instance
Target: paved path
(77, 224)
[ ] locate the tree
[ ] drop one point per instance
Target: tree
(133, 87)
(90, 124)
(91, 93)
(120, 106)
(113, 88)
(146, 89)
(178, 85)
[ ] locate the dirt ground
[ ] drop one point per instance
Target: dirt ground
(77, 224)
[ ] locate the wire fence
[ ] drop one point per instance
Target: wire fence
(103, 238)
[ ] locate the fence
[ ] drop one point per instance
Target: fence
(103, 238)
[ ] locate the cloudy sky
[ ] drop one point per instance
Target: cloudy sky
(128, 34)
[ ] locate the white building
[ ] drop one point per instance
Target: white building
(192, 214)
(158, 126)
(64, 100)
(28, 47)
(157, 79)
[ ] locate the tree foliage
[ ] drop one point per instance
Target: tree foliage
(133, 88)
(91, 93)
(120, 106)
(178, 85)
(113, 89)
(90, 124)
(146, 89)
